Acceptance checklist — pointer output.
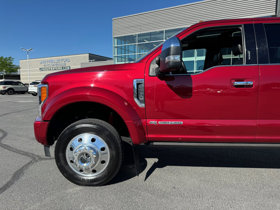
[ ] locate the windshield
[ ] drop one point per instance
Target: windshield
(168, 37)
(148, 53)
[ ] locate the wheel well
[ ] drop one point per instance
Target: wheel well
(83, 110)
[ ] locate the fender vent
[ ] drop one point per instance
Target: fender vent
(138, 92)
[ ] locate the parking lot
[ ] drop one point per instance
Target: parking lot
(171, 177)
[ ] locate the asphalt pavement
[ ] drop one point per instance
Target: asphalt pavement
(177, 177)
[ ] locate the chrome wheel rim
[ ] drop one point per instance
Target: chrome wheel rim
(87, 154)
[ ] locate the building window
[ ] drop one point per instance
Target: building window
(149, 37)
(172, 32)
(130, 48)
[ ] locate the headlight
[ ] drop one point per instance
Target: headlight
(42, 92)
(43, 95)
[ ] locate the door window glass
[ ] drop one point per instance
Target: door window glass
(272, 34)
(194, 60)
(212, 47)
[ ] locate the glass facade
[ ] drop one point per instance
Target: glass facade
(130, 48)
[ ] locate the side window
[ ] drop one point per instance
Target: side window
(194, 60)
(272, 34)
(212, 47)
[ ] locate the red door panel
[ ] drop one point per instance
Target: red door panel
(205, 107)
(269, 104)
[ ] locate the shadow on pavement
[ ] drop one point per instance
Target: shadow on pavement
(239, 157)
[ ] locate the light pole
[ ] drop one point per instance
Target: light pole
(277, 8)
(27, 51)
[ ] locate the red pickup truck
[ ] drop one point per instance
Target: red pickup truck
(215, 82)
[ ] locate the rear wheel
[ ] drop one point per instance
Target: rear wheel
(10, 91)
(88, 152)
(34, 94)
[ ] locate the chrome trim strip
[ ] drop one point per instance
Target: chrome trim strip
(166, 122)
(135, 84)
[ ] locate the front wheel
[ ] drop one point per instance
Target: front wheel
(10, 91)
(88, 152)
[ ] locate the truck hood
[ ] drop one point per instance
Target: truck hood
(114, 67)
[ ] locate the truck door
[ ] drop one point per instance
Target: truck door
(213, 98)
(269, 100)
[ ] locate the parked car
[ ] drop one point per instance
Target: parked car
(33, 88)
(11, 87)
(215, 82)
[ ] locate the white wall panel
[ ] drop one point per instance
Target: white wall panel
(186, 15)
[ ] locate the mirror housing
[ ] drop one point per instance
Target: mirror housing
(170, 58)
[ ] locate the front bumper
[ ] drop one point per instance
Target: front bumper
(40, 130)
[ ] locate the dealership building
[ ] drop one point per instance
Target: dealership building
(135, 35)
(36, 69)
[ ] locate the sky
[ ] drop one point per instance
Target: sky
(65, 27)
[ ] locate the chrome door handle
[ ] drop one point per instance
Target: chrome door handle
(244, 83)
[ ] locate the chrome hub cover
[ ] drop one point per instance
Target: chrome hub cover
(87, 154)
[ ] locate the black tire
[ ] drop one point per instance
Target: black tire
(3, 92)
(101, 129)
(10, 91)
(34, 94)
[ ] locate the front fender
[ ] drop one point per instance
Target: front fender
(102, 96)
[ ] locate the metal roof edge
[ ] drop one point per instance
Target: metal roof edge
(155, 10)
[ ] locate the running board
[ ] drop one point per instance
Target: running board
(214, 144)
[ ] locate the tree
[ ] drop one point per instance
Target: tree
(7, 66)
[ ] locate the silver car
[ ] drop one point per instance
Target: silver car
(11, 87)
